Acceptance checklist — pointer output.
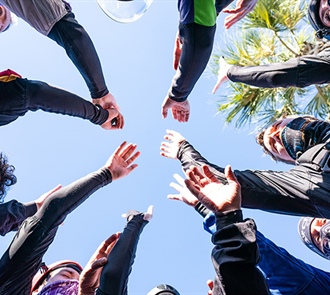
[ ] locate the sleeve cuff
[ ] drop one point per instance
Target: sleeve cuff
(224, 219)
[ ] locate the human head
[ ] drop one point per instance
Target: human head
(163, 289)
(7, 19)
(315, 234)
(7, 177)
(285, 140)
(319, 17)
(59, 271)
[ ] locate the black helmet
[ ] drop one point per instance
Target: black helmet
(163, 289)
(314, 18)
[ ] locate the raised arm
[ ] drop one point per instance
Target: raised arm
(235, 254)
(296, 72)
(22, 95)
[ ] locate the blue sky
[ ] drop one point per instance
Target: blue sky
(49, 149)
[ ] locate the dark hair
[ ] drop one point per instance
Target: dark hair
(7, 177)
(260, 141)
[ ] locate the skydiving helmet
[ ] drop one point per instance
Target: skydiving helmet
(124, 11)
(163, 289)
(46, 270)
(304, 230)
(314, 19)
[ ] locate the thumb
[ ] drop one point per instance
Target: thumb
(216, 87)
(164, 111)
(230, 176)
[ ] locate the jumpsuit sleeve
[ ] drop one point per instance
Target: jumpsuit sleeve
(235, 255)
(115, 274)
(13, 213)
(197, 43)
(70, 35)
(25, 253)
(296, 72)
(42, 96)
(283, 192)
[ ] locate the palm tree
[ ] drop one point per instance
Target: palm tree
(275, 31)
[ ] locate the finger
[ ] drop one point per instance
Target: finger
(119, 149)
(109, 241)
(210, 284)
(175, 114)
(186, 118)
(133, 158)
(191, 176)
(230, 175)
(164, 113)
(99, 263)
(126, 153)
(216, 87)
(194, 189)
(131, 168)
(174, 197)
(197, 175)
(176, 186)
(182, 116)
(179, 179)
(150, 210)
(172, 135)
(171, 132)
(120, 121)
(165, 145)
(209, 174)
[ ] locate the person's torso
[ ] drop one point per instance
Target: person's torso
(41, 15)
(201, 12)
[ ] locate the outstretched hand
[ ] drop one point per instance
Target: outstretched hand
(180, 110)
(170, 149)
(184, 193)
(211, 192)
(243, 7)
(43, 197)
(222, 74)
(90, 276)
(120, 162)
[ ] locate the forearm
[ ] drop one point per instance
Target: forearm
(62, 202)
(42, 96)
(197, 44)
(296, 72)
(114, 276)
(13, 213)
(189, 156)
(236, 255)
(70, 35)
(272, 191)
